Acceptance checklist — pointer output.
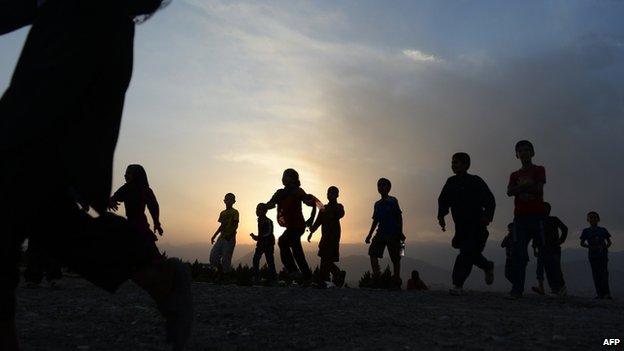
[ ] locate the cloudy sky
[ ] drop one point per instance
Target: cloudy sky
(227, 94)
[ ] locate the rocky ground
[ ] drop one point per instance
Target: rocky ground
(82, 317)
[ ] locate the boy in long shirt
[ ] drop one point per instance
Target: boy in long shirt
(472, 205)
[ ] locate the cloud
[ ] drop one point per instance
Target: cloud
(419, 56)
(264, 90)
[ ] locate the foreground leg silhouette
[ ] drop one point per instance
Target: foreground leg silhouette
(59, 122)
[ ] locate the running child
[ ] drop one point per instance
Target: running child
(289, 200)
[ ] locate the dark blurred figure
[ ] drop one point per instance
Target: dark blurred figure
(59, 122)
(472, 206)
(549, 255)
(137, 195)
(40, 264)
(597, 241)
(329, 245)
(415, 283)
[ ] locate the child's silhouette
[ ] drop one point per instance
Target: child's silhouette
(329, 245)
(388, 220)
(549, 255)
(222, 251)
(472, 205)
(136, 195)
(597, 240)
(288, 201)
(415, 283)
(265, 243)
(526, 185)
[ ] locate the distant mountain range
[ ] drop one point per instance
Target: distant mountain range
(434, 261)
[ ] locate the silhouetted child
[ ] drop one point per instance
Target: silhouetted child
(265, 242)
(597, 240)
(526, 185)
(388, 219)
(136, 195)
(289, 215)
(329, 245)
(472, 206)
(507, 244)
(415, 283)
(223, 249)
(549, 255)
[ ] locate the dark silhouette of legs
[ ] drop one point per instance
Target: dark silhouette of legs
(526, 228)
(270, 260)
(600, 274)
(286, 254)
(292, 253)
(551, 258)
(471, 240)
(375, 266)
(256, 262)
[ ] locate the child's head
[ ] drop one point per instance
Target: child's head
(524, 150)
(136, 174)
(261, 209)
(332, 193)
(384, 186)
(290, 178)
(547, 207)
(460, 163)
(510, 227)
(415, 275)
(229, 199)
(593, 218)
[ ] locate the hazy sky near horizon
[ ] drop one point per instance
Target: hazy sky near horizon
(227, 94)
